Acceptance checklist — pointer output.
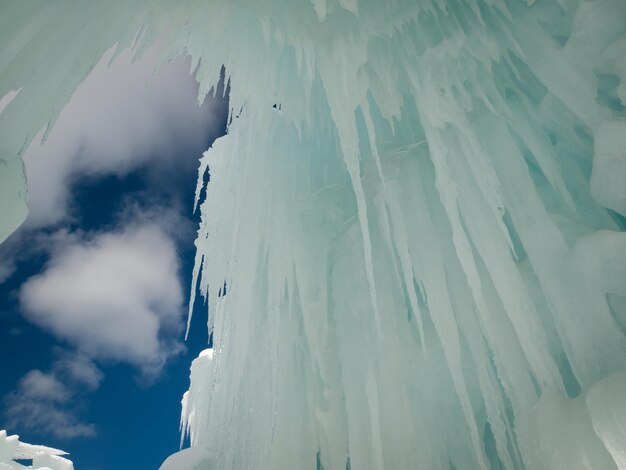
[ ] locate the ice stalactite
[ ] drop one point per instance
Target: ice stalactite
(412, 237)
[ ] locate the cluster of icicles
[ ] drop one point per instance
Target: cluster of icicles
(411, 242)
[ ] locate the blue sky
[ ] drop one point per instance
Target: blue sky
(94, 286)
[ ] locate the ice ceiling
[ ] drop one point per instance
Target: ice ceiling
(412, 239)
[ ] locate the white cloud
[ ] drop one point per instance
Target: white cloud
(37, 385)
(78, 369)
(116, 296)
(46, 401)
(120, 118)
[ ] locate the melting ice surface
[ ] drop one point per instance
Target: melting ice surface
(417, 212)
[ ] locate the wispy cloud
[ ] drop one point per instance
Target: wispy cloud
(37, 385)
(77, 369)
(7, 269)
(46, 402)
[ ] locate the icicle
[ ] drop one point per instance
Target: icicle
(422, 244)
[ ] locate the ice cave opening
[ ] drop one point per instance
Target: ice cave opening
(423, 244)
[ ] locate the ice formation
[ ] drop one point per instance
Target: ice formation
(412, 238)
(12, 452)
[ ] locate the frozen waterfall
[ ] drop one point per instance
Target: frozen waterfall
(411, 244)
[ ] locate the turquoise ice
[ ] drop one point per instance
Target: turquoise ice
(417, 212)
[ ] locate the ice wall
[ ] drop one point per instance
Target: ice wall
(412, 239)
(31, 456)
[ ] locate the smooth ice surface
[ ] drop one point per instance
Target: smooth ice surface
(192, 458)
(35, 457)
(412, 238)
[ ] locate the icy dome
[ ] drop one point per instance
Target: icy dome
(412, 238)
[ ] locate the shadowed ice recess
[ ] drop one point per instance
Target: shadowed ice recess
(423, 243)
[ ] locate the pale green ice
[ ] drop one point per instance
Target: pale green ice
(422, 242)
